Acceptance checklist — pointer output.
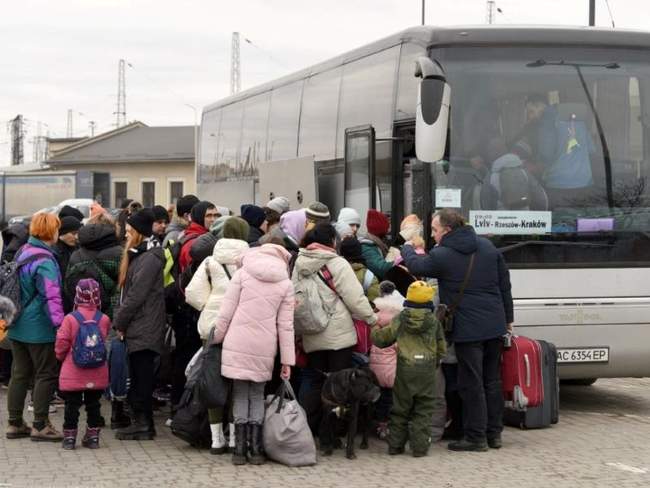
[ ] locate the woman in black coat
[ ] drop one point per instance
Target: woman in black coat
(140, 319)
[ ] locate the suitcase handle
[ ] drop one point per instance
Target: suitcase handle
(527, 363)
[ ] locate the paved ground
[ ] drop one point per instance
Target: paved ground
(603, 440)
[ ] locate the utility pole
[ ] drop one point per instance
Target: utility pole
(423, 6)
(592, 12)
(120, 112)
(69, 131)
(91, 125)
(235, 67)
(491, 9)
(17, 136)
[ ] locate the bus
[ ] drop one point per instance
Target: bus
(540, 136)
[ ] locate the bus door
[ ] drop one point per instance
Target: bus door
(360, 169)
(412, 182)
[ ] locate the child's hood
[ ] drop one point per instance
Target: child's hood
(418, 320)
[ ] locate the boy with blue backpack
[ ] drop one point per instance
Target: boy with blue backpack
(81, 347)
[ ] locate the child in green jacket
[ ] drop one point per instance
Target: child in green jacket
(421, 346)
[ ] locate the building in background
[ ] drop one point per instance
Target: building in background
(154, 165)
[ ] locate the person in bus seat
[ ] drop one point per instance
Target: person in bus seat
(565, 148)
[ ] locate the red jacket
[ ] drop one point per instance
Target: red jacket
(73, 378)
(190, 234)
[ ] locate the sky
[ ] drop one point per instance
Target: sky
(63, 55)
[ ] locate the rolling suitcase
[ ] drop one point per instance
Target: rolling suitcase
(521, 374)
(547, 412)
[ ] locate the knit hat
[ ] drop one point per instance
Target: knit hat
(386, 288)
(198, 212)
(160, 213)
(236, 228)
(252, 214)
(69, 224)
(142, 221)
(279, 205)
(420, 292)
(68, 211)
(411, 227)
(223, 211)
(217, 226)
(87, 292)
(350, 249)
(184, 204)
(349, 216)
(377, 223)
(292, 224)
(318, 212)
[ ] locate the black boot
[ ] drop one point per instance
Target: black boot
(139, 430)
(239, 456)
(255, 444)
(119, 419)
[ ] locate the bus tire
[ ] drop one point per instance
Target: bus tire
(580, 382)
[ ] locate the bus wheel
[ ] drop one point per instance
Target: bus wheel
(580, 382)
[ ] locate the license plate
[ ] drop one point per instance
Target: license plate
(583, 355)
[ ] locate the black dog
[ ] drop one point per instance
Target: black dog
(343, 395)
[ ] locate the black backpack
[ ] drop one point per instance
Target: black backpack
(514, 183)
(10, 281)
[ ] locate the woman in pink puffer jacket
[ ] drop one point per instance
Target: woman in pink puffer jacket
(256, 315)
(383, 362)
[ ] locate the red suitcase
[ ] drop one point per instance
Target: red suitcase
(521, 374)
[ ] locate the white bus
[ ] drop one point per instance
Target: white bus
(540, 136)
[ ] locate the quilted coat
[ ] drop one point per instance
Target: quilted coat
(256, 315)
(383, 362)
(208, 286)
(72, 377)
(348, 302)
(41, 295)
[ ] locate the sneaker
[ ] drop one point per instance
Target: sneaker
(168, 423)
(14, 432)
(382, 430)
(465, 445)
(46, 434)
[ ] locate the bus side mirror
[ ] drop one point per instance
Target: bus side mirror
(432, 111)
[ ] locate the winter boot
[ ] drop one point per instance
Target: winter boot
(255, 452)
(231, 437)
(91, 438)
(139, 430)
(239, 455)
(218, 440)
(119, 420)
(69, 439)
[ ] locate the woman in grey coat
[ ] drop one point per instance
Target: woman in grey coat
(140, 319)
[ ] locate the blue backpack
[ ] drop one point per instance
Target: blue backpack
(89, 350)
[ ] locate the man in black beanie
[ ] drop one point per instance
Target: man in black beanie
(182, 220)
(66, 245)
(161, 221)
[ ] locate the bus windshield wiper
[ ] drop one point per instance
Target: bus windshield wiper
(552, 243)
(601, 133)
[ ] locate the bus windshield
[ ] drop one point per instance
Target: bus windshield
(548, 152)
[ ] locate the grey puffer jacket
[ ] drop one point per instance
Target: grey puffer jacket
(141, 314)
(350, 303)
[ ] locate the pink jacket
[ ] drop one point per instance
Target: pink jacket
(256, 314)
(383, 362)
(73, 378)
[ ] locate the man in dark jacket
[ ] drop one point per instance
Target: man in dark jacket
(65, 246)
(482, 317)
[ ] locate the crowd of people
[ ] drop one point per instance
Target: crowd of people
(168, 281)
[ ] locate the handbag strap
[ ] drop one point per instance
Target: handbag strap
(327, 278)
(285, 390)
(461, 292)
